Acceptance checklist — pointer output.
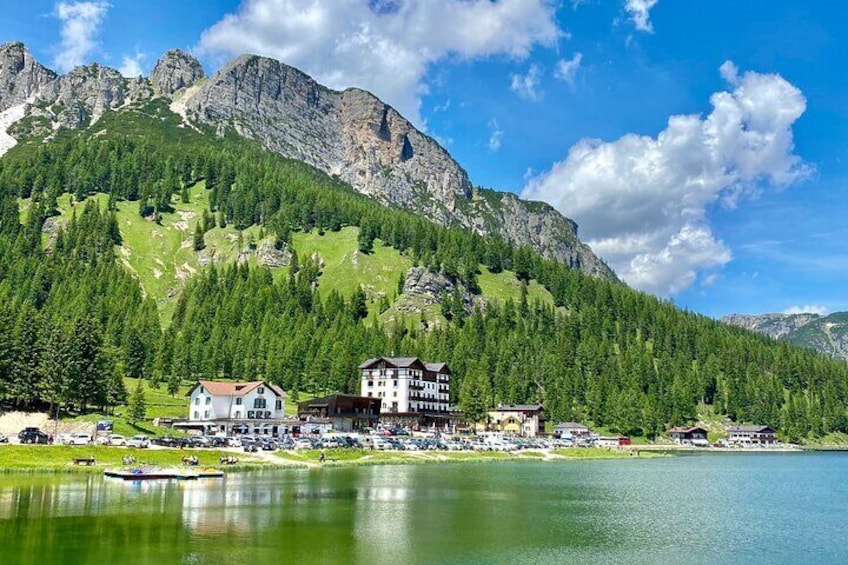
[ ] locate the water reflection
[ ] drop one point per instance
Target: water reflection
(612, 511)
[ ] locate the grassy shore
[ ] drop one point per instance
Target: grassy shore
(367, 457)
(60, 458)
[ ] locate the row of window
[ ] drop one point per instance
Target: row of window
(257, 402)
(427, 385)
(250, 414)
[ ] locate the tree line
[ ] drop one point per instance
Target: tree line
(602, 352)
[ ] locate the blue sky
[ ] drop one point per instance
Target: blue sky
(736, 206)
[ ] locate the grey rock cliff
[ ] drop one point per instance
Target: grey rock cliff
(775, 326)
(80, 97)
(424, 288)
(73, 100)
(350, 134)
(826, 334)
(365, 142)
(21, 75)
(175, 70)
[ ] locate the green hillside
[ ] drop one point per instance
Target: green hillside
(120, 291)
(162, 256)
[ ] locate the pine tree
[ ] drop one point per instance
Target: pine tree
(137, 408)
(199, 243)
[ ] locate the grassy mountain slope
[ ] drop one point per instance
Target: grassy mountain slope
(162, 257)
(622, 359)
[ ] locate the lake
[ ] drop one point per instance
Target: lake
(710, 508)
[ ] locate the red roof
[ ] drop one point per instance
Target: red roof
(223, 388)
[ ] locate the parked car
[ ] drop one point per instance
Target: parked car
(140, 440)
(78, 438)
(32, 435)
(3, 438)
(303, 443)
(112, 439)
(168, 441)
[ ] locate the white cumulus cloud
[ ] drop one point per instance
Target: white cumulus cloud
(566, 69)
(527, 86)
(81, 22)
(385, 46)
(640, 13)
(131, 65)
(807, 309)
(642, 201)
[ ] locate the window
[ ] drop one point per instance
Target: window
(259, 403)
(370, 383)
(239, 400)
(261, 390)
(395, 383)
(278, 405)
(196, 415)
(206, 414)
(370, 393)
(208, 400)
(238, 414)
(197, 400)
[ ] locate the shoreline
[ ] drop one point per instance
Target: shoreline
(48, 459)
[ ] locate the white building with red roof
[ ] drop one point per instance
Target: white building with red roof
(211, 401)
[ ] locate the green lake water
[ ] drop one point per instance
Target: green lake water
(721, 508)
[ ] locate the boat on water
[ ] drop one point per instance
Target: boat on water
(150, 473)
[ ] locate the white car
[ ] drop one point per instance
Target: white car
(303, 444)
(140, 440)
(112, 439)
(78, 439)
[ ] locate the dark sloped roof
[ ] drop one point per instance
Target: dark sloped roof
(368, 363)
(751, 428)
(403, 362)
(686, 429)
(571, 426)
(441, 367)
(519, 408)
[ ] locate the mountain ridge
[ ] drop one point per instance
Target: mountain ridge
(351, 134)
(825, 333)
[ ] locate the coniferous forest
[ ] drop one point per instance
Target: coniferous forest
(74, 321)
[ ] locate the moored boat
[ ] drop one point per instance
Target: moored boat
(149, 473)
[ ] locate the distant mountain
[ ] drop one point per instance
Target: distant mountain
(350, 134)
(828, 334)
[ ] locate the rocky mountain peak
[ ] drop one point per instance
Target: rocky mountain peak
(368, 144)
(21, 76)
(175, 70)
(775, 325)
(352, 135)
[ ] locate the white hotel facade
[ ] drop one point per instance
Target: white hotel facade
(407, 386)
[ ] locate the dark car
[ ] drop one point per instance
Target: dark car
(167, 441)
(32, 435)
(266, 444)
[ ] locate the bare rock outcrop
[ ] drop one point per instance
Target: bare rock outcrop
(174, 71)
(21, 76)
(424, 288)
(269, 256)
(352, 135)
(368, 144)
